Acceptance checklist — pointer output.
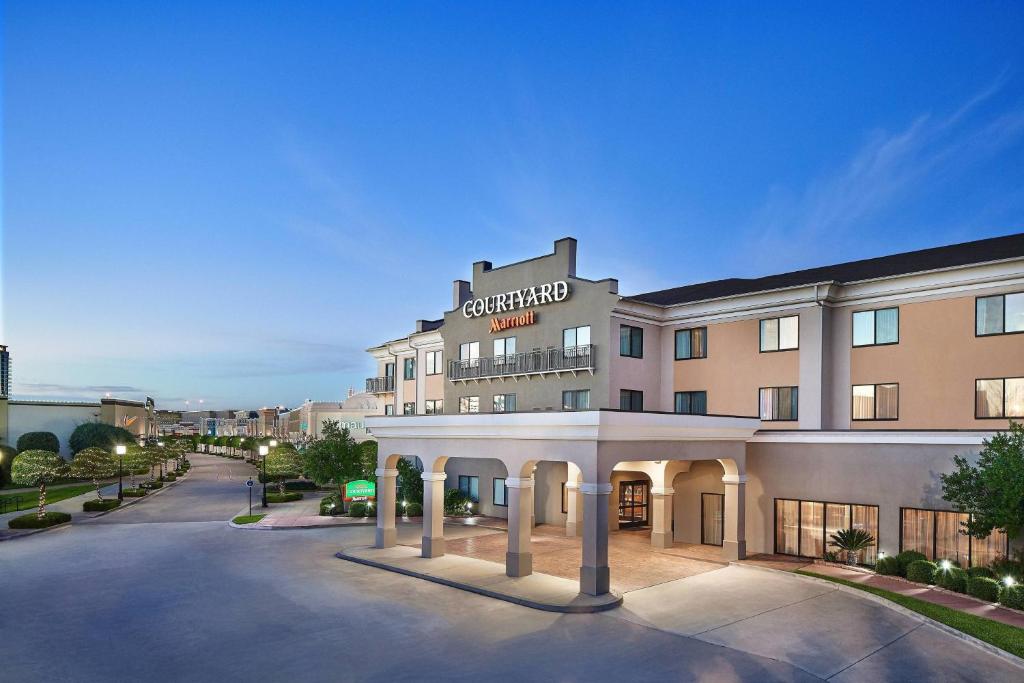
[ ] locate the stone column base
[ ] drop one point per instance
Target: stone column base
(386, 538)
(432, 547)
(594, 580)
(734, 550)
(661, 539)
(518, 564)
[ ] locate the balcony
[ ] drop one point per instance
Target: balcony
(380, 385)
(554, 361)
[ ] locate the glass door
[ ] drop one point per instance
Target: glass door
(633, 503)
(712, 515)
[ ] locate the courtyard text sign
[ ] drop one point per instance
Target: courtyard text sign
(528, 297)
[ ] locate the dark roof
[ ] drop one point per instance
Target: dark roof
(979, 251)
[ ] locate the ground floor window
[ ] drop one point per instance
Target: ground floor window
(632, 400)
(577, 399)
(504, 403)
(779, 403)
(469, 404)
(500, 491)
(389, 409)
(692, 402)
(408, 409)
(470, 486)
(433, 406)
(712, 514)
(937, 535)
(803, 527)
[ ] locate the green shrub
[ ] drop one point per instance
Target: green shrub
(357, 509)
(414, 510)
(100, 435)
(97, 505)
(283, 497)
(32, 521)
(1004, 567)
(984, 572)
(170, 476)
(983, 587)
(151, 485)
(6, 458)
(455, 502)
(906, 557)
(954, 579)
(921, 571)
(888, 566)
(133, 493)
(1012, 596)
(326, 502)
(39, 441)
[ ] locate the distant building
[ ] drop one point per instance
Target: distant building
(306, 421)
(5, 372)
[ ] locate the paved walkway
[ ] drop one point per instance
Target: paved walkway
(301, 514)
(72, 506)
(950, 599)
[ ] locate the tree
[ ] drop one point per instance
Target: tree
(135, 459)
(100, 435)
(94, 463)
(39, 441)
(992, 491)
(283, 464)
(851, 541)
(336, 456)
(38, 468)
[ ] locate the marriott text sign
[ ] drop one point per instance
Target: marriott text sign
(537, 295)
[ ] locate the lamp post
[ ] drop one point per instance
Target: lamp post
(160, 445)
(120, 449)
(263, 456)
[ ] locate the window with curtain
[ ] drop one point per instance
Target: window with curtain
(504, 347)
(631, 341)
(780, 334)
(470, 351)
(812, 528)
(950, 543)
(631, 400)
(787, 527)
(918, 532)
(804, 527)
(576, 336)
(576, 399)
(409, 368)
(469, 404)
(1000, 314)
(500, 492)
(433, 406)
(985, 550)
(691, 402)
(865, 517)
(779, 403)
(470, 486)
(999, 397)
(433, 362)
(881, 326)
(691, 343)
(876, 401)
(504, 403)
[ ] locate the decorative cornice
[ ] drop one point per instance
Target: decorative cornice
(433, 476)
(381, 472)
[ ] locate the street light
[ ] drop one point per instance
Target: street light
(263, 455)
(120, 449)
(273, 443)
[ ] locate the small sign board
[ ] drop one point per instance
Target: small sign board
(248, 482)
(360, 489)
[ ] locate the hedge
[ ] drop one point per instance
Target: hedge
(984, 572)
(170, 476)
(325, 505)
(888, 566)
(39, 441)
(100, 435)
(358, 509)
(954, 579)
(413, 510)
(983, 587)
(151, 485)
(921, 571)
(1012, 596)
(906, 557)
(97, 505)
(283, 497)
(133, 493)
(32, 521)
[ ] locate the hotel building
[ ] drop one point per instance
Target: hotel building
(758, 415)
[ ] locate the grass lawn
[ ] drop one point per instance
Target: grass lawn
(30, 499)
(1003, 636)
(247, 519)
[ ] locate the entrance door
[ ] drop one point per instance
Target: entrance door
(633, 503)
(712, 518)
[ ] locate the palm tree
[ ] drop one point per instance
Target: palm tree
(851, 541)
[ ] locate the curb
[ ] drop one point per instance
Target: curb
(978, 643)
(136, 501)
(33, 532)
(479, 590)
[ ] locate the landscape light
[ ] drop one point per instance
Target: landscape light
(1009, 581)
(405, 504)
(160, 444)
(264, 450)
(120, 449)
(881, 554)
(469, 506)
(946, 565)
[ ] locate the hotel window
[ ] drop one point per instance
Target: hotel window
(469, 404)
(780, 334)
(504, 403)
(576, 336)
(409, 408)
(779, 403)
(631, 341)
(500, 491)
(937, 534)
(470, 486)
(691, 343)
(409, 368)
(389, 409)
(433, 361)
(576, 399)
(692, 402)
(876, 401)
(389, 369)
(999, 398)
(804, 527)
(433, 406)
(1002, 314)
(631, 400)
(504, 347)
(470, 351)
(874, 328)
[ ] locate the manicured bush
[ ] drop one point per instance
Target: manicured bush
(921, 571)
(283, 497)
(151, 485)
(170, 476)
(357, 509)
(954, 579)
(301, 485)
(983, 587)
(414, 510)
(133, 493)
(981, 572)
(906, 557)
(1012, 596)
(6, 458)
(888, 566)
(455, 502)
(325, 505)
(1004, 567)
(100, 435)
(33, 521)
(39, 441)
(98, 505)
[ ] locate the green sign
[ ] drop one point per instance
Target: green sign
(360, 489)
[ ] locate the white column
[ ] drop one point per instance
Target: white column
(386, 495)
(573, 511)
(519, 559)
(734, 545)
(433, 514)
(594, 579)
(661, 522)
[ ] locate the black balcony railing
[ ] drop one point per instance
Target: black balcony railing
(553, 360)
(378, 385)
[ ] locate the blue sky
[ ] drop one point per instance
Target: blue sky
(210, 200)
